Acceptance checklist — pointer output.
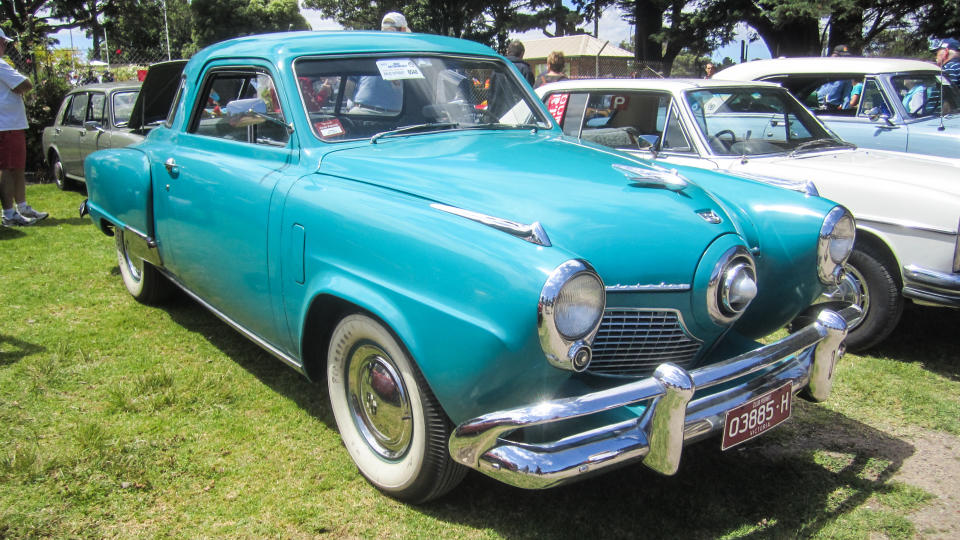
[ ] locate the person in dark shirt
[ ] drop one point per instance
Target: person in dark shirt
(948, 58)
(515, 52)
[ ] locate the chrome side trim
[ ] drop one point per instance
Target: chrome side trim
(533, 233)
(956, 251)
(904, 224)
(659, 287)
(282, 356)
(806, 359)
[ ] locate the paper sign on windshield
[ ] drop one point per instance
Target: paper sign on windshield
(398, 69)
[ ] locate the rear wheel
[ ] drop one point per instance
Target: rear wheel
(142, 280)
(56, 172)
(877, 294)
(389, 420)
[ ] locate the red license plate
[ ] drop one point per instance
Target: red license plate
(756, 416)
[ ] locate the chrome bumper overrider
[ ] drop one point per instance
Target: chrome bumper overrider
(931, 286)
(805, 359)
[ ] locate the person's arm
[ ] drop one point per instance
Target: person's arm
(23, 88)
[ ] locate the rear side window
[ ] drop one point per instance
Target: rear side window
(95, 111)
(241, 105)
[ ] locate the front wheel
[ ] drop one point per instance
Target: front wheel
(56, 172)
(389, 420)
(142, 280)
(877, 294)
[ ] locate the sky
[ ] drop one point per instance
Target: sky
(612, 27)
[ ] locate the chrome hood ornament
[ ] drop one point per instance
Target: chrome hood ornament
(655, 177)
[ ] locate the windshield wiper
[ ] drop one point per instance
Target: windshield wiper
(499, 125)
(415, 127)
(821, 142)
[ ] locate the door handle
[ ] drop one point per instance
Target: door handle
(57, 130)
(172, 168)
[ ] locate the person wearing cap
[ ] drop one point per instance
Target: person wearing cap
(840, 50)
(13, 144)
(948, 58)
(374, 95)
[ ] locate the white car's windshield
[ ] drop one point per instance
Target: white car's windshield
(750, 121)
(362, 97)
(923, 95)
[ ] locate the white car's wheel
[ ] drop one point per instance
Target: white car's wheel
(878, 296)
(389, 420)
(141, 279)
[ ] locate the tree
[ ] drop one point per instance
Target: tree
(217, 20)
(137, 31)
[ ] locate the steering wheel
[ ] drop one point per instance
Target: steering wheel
(726, 143)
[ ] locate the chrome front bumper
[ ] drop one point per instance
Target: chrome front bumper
(931, 287)
(805, 359)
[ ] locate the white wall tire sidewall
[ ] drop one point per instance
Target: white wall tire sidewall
(386, 475)
(134, 286)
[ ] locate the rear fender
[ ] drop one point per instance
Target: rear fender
(120, 196)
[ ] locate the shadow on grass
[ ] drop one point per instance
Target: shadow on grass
(281, 378)
(771, 487)
(774, 486)
(926, 335)
(7, 233)
(55, 221)
(13, 349)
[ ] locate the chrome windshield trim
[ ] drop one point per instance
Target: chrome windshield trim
(658, 287)
(533, 233)
(904, 224)
(806, 359)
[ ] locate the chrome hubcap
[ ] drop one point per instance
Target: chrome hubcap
(379, 402)
(852, 289)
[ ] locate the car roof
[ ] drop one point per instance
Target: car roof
(823, 65)
(285, 46)
(107, 87)
(669, 85)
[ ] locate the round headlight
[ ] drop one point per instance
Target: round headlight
(835, 244)
(569, 313)
(579, 306)
(733, 285)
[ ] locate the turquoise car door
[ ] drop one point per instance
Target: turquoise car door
(868, 128)
(214, 184)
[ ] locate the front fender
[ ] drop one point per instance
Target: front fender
(119, 190)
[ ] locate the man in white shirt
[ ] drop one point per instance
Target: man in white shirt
(13, 145)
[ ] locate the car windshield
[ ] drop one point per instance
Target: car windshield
(924, 94)
(357, 98)
(753, 120)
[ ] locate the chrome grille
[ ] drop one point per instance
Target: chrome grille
(633, 342)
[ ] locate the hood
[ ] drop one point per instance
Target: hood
(156, 94)
(876, 184)
(630, 234)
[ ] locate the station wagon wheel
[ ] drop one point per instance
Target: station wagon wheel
(879, 298)
(389, 420)
(141, 279)
(56, 172)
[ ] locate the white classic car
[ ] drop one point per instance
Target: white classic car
(907, 206)
(904, 105)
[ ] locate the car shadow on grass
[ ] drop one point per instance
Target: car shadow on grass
(926, 335)
(281, 378)
(779, 485)
(13, 349)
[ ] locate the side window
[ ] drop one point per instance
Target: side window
(123, 107)
(872, 101)
(241, 106)
(96, 109)
(567, 110)
(77, 111)
(623, 119)
(674, 138)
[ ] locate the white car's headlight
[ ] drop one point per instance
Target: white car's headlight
(835, 244)
(569, 314)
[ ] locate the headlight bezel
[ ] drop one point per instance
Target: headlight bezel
(839, 221)
(568, 352)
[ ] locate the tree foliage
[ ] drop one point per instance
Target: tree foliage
(216, 20)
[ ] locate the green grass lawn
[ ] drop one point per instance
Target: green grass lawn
(121, 420)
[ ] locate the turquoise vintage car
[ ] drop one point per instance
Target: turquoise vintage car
(398, 215)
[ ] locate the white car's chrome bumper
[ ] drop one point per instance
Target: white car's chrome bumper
(805, 359)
